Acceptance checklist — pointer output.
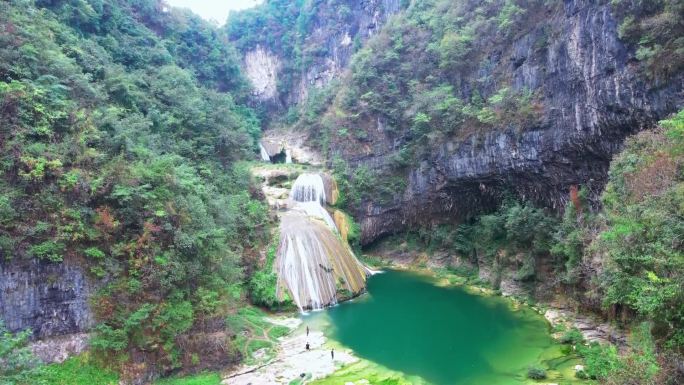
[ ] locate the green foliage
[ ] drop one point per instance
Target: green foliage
(515, 234)
(643, 205)
(638, 366)
(262, 284)
(570, 241)
(122, 134)
(199, 379)
(655, 27)
(79, 370)
(49, 250)
(94, 252)
(262, 288)
(536, 373)
(17, 363)
(600, 360)
(572, 337)
(362, 184)
(521, 231)
(508, 15)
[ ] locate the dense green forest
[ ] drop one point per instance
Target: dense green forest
(126, 131)
(122, 132)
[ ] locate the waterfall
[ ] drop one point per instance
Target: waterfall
(308, 188)
(288, 156)
(314, 209)
(313, 262)
(264, 154)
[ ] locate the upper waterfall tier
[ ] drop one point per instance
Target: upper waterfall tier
(308, 188)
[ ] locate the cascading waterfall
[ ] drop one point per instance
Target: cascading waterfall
(308, 188)
(313, 263)
(288, 156)
(264, 154)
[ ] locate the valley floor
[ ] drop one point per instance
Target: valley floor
(292, 362)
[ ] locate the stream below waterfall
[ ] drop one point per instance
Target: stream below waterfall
(430, 334)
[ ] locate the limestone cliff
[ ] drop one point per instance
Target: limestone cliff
(303, 47)
(590, 91)
(261, 68)
(49, 298)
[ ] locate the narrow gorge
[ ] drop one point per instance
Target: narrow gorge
(438, 192)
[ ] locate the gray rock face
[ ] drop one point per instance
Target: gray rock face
(51, 299)
(335, 34)
(593, 96)
(365, 20)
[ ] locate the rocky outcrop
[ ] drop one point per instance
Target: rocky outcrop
(329, 42)
(337, 38)
(261, 68)
(51, 299)
(58, 349)
(295, 143)
(592, 96)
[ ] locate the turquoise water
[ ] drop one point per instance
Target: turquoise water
(443, 335)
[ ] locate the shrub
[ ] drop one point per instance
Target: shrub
(80, 370)
(601, 361)
(48, 250)
(572, 337)
(536, 373)
(94, 253)
(262, 289)
(17, 363)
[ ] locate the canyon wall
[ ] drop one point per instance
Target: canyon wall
(592, 94)
(282, 78)
(51, 299)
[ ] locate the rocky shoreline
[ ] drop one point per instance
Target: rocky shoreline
(558, 310)
(292, 360)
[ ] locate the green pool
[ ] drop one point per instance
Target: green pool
(440, 335)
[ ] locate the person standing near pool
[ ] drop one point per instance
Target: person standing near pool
(332, 353)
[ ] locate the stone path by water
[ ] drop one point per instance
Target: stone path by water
(292, 360)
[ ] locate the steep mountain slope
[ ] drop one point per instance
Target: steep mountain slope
(126, 209)
(521, 97)
(122, 201)
(291, 48)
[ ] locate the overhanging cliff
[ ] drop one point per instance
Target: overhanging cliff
(555, 94)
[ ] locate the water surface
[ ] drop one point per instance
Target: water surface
(443, 335)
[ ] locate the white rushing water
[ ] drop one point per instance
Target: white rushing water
(313, 262)
(308, 188)
(314, 209)
(301, 267)
(288, 156)
(264, 153)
